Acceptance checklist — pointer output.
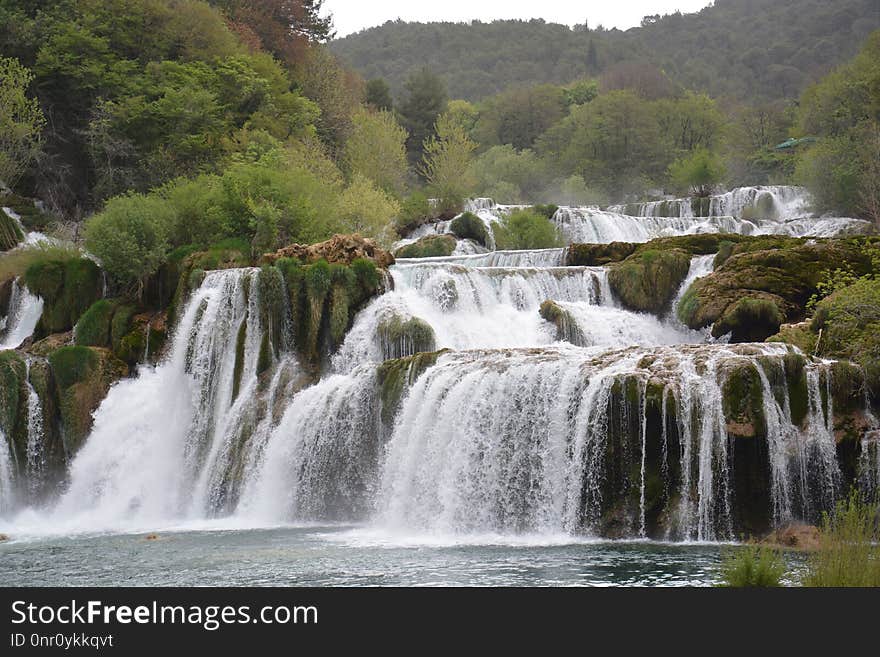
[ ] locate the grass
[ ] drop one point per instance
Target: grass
(15, 263)
(848, 554)
(752, 566)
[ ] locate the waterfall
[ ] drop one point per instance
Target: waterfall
(36, 460)
(7, 476)
(166, 444)
(491, 442)
(23, 313)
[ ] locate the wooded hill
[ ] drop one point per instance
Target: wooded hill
(754, 48)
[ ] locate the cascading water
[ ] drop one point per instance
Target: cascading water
(24, 311)
(7, 473)
(626, 431)
(167, 444)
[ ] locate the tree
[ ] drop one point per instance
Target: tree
(21, 121)
(701, 171)
(285, 28)
(518, 117)
(376, 149)
(645, 79)
(446, 162)
(129, 236)
(366, 209)
(424, 102)
(378, 95)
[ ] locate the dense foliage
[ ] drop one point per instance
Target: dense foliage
(733, 48)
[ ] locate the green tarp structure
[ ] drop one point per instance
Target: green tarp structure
(792, 142)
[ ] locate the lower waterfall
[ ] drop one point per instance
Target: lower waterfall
(610, 423)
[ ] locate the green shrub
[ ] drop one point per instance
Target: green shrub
(431, 246)
(414, 211)
(752, 566)
(469, 226)
(848, 554)
(546, 210)
(525, 229)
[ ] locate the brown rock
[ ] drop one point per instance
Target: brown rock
(340, 249)
(795, 536)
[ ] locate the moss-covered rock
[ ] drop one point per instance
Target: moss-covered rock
(567, 329)
(82, 375)
(401, 337)
(648, 280)
(10, 233)
(469, 226)
(323, 301)
(800, 335)
(431, 246)
(395, 376)
(751, 319)
(594, 255)
(753, 279)
(68, 288)
(13, 400)
(725, 250)
(28, 209)
(743, 400)
(93, 327)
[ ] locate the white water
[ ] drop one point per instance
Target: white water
(36, 462)
(7, 477)
(23, 313)
(164, 445)
(506, 435)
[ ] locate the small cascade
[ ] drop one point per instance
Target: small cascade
(593, 226)
(7, 476)
(320, 462)
(701, 266)
(36, 460)
(23, 313)
(531, 258)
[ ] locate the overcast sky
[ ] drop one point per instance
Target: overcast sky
(353, 15)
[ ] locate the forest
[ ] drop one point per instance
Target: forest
(732, 49)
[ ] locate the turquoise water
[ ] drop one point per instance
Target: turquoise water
(348, 556)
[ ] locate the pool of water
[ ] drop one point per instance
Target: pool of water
(348, 556)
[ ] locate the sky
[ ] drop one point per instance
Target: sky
(354, 15)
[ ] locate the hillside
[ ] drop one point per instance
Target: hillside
(755, 48)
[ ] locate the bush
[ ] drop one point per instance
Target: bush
(525, 229)
(130, 236)
(752, 566)
(848, 554)
(470, 226)
(414, 211)
(700, 171)
(432, 246)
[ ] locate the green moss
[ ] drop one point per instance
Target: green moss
(567, 329)
(469, 226)
(798, 392)
(750, 320)
(404, 337)
(648, 280)
(121, 324)
(32, 218)
(93, 329)
(798, 335)
(688, 306)
(10, 233)
(725, 249)
(68, 289)
(431, 246)
(395, 376)
(265, 357)
(743, 401)
(73, 364)
(82, 377)
(13, 392)
(847, 387)
(238, 367)
(594, 255)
